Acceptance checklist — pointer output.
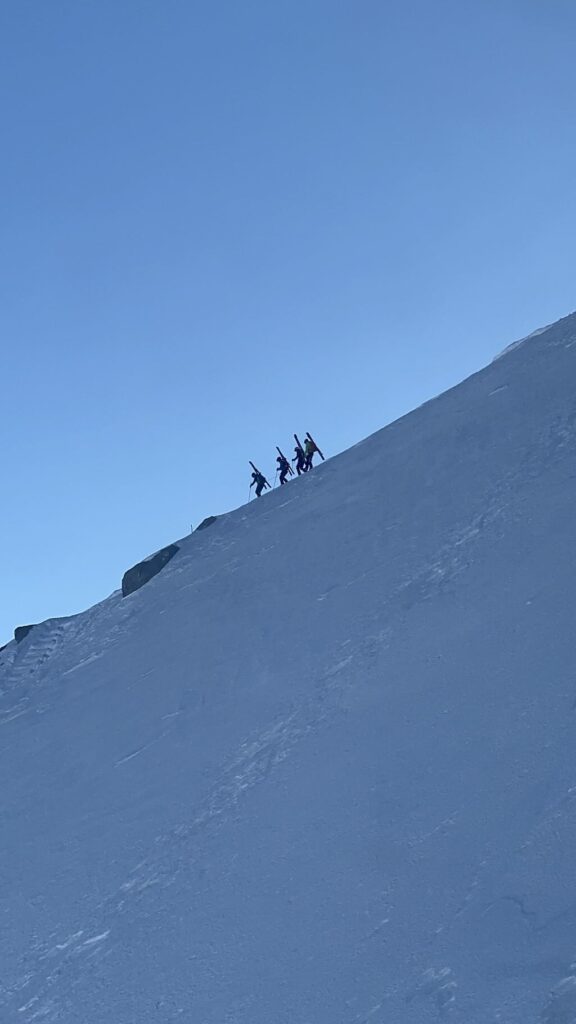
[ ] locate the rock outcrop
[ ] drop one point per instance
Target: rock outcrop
(206, 522)
(22, 631)
(141, 573)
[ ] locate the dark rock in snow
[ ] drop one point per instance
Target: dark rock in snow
(144, 571)
(22, 631)
(206, 522)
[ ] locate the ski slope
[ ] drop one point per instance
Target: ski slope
(321, 769)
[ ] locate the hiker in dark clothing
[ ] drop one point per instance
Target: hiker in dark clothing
(260, 481)
(283, 468)
(300, 460)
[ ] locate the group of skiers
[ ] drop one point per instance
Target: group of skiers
(303, 456)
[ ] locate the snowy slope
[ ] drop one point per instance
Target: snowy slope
(320, 770)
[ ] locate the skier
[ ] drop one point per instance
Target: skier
(310, 450)
(283, 468)
(299, 459)
(260, 481)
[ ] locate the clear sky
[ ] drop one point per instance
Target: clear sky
(224, 221)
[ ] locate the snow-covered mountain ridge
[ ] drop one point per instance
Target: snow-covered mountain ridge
(556, 337)
(321, 768)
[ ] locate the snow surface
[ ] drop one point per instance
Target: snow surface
(534, 334)
(321, 769)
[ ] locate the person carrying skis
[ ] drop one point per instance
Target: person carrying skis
(283, 468)
(309, 450)
(260, 481)
(299, 459)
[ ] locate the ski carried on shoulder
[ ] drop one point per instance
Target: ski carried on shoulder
(266, 484)
(298, 442)
(310, 438)
(290, 470)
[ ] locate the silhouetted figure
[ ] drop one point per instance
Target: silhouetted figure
(299, 459)
(310, 450)
(283, 468)
(260, 481)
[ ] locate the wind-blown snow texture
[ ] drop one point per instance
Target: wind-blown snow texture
(321, 770)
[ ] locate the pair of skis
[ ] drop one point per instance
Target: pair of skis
(309, 438)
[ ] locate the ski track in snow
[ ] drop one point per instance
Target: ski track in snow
(21, 675)
(255, 760)
(23, 679)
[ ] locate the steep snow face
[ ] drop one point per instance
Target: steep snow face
(555, 328)
(321, 769)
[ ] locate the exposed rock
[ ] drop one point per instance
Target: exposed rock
(206, 522)
(144, 571)
(21, 631)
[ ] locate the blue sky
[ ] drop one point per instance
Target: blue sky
(223, 222)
